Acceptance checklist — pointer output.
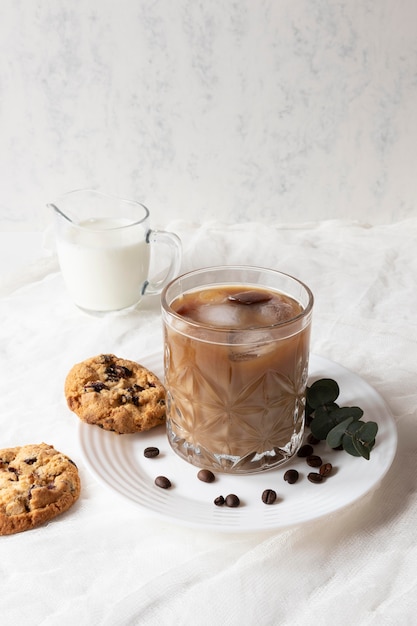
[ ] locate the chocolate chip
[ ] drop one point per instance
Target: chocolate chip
(219, 501)
(269, 496)
(163, 482)
(291, 476)
(206, 476)
(305, 450)
(31, 461)
(151, 452)
(314, 477)
(95, 385)
(106, 358)
(314, 461)
(129, 397)
(232, 500)
(116, 372)
(326, 469)
(250, 297)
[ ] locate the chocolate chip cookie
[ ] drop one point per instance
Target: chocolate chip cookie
(116, 394)
(37, 483)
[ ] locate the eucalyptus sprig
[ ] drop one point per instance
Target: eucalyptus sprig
(341, 427)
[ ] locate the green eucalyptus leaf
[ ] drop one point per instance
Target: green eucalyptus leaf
(367, 432)
(348, 446)
(342, 413)
(324, 420)
(321, 426)
(322, 391)
(339, 426)
(354, 427)
(335, 436)
(325, 409)
(362, 449)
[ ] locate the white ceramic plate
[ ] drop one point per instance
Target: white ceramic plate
(118, 462)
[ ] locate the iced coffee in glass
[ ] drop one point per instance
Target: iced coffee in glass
(236, 365)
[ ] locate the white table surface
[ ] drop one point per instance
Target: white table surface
(106, 561)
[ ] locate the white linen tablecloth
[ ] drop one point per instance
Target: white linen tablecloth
(106, 561)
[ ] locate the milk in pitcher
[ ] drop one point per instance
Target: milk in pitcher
(105, 264)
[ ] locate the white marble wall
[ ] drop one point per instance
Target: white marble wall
(235, 110)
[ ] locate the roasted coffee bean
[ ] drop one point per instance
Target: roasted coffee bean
(314, 477)
(151, 452)
(206, 476)
(250, 297)
(219, 501)
(163, 482)
(291, 476)
(314, 461)
(326, 469)
(305, 450)
(312, 440)
(269, 496)
(232, 500)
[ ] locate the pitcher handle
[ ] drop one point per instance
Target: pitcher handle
(163, 237)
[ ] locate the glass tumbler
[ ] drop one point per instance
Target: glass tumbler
(236, 351)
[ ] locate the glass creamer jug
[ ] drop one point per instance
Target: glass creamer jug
(104, 249)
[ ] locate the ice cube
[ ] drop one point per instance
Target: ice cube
(248, 345)
(277, 312)
(218, 315)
